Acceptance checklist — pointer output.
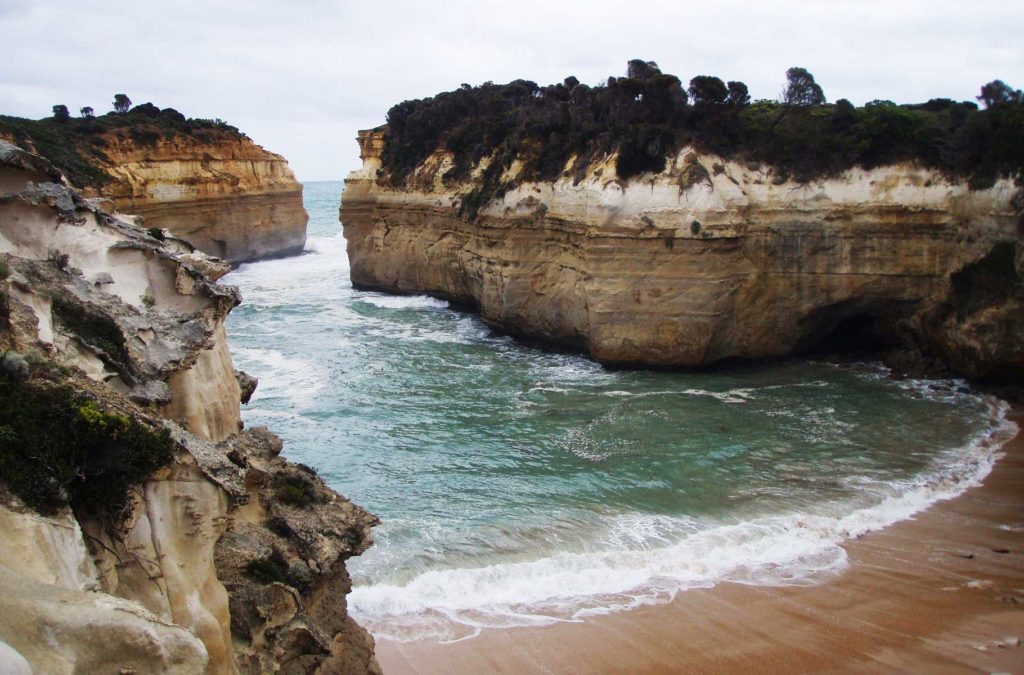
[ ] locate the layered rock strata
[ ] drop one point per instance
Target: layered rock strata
(230, 559)
(228, 197)
(708, 260)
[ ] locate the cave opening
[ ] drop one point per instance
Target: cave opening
(853, 332)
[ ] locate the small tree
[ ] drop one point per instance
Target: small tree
(60, 113)
(87, 112)
(738, 96)
(642, 70)
(707, 89)
(801, 89)
(996, 93)
(122, 103)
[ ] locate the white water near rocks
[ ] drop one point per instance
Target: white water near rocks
(521, 487)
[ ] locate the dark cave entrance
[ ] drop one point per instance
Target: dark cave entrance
(854, 331)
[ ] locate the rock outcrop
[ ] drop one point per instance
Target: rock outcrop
(228, 558)
(210, 185)
(708, 260)
(230, 198)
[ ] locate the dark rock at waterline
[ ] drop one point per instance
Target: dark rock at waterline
(247, 383)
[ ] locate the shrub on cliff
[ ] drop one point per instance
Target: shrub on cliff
(296, 490)
(92, 327)
(648, 115)
(61, 448)
(269, 570)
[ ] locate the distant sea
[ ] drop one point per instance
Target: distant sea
(519, 487)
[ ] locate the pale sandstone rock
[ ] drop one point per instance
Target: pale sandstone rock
(52, 616)
(147, 594)
(230, 199)
(691, 266)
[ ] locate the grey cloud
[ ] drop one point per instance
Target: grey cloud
(302, 77)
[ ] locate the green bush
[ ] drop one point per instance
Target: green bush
(295, 489)
(647, 116)
(267, 571)
(91, 326)
(60, 448)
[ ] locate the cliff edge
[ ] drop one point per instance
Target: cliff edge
(144, 529)
(201, 180)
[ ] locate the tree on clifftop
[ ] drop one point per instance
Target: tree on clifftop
(801, 89)
(739, 95)
(87, 112)
(998, 92)
(642, 70)
(122, 103)
(707, 89)
(60, 113)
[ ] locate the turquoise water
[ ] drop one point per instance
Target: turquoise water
(520, 487)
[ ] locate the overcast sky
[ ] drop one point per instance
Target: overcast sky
(301, 76)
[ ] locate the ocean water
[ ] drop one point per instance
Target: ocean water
(519, 487)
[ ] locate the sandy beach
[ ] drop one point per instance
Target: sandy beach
(940, 593)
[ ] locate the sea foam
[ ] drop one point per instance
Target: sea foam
(648, 559)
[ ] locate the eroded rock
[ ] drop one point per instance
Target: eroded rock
(135, 326)
(707, 261)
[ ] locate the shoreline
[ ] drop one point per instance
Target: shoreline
(910, 600)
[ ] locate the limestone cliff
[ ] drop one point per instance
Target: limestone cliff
(230, 198)
(202, 181)
(225, 559)
(706, 260)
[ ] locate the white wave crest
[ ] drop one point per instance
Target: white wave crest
(281, 376)
(403, 301)
(649, 559)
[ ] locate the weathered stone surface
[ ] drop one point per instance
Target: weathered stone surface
(134, 324)
(700, 263)
(21, 166)
(170, 316)
(300, 618)
(64, 631)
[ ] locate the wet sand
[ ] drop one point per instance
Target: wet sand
(934, 594)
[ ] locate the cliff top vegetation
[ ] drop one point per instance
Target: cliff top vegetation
(76, 145)
(648, 115)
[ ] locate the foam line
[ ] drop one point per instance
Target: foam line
(783, 549)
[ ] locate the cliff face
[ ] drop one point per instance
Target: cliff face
(708, 260)
(231, 198)
(203, 181)
(228, 559)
